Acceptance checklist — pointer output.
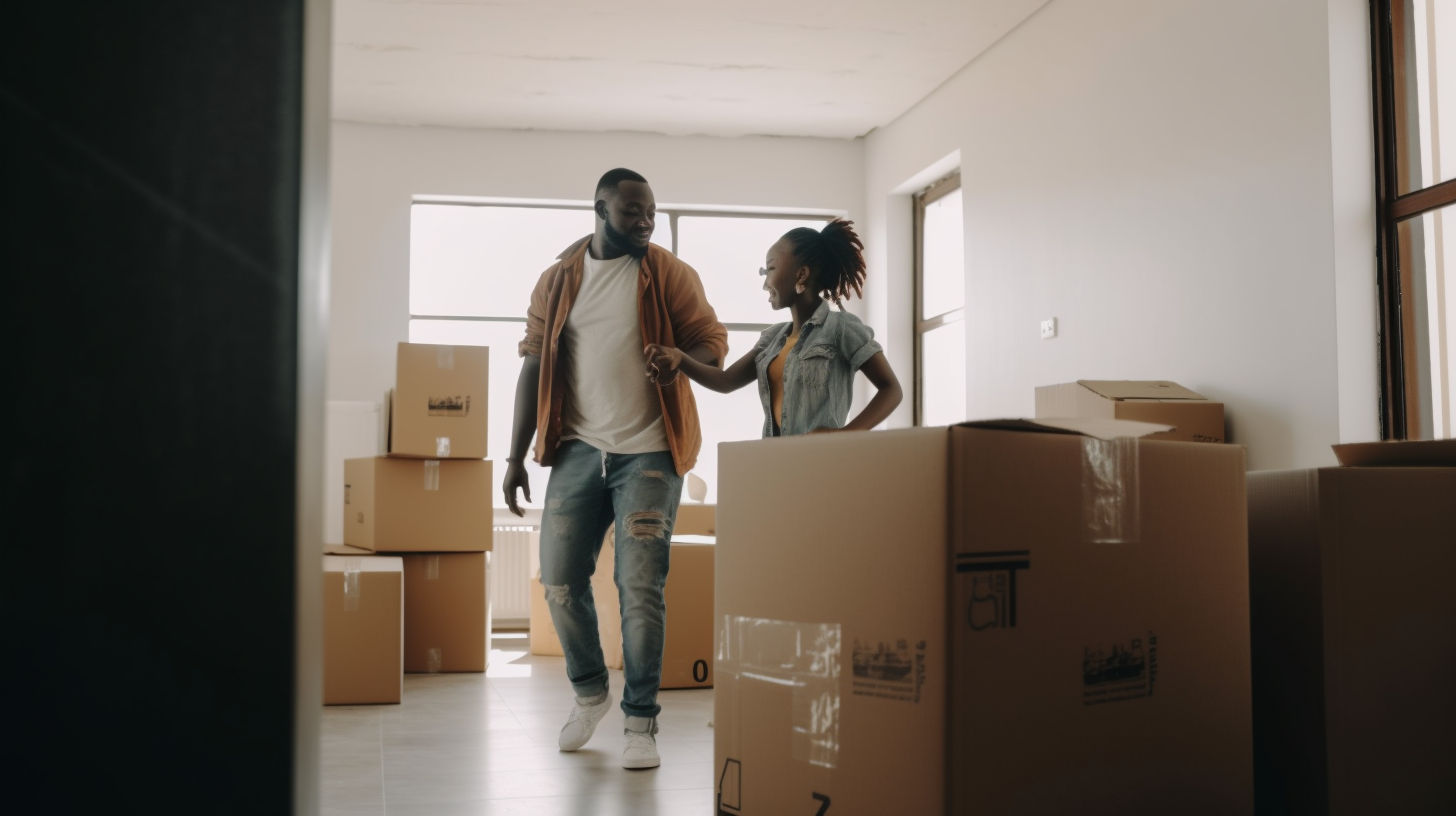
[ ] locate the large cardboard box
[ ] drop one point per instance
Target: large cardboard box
(1194, 417)
(363, 630)
(695, 519)
(418, 505)
(982, 620)
(1354, 633)
(687, 649)
(446, 612)
(437, 409)
(545, 641)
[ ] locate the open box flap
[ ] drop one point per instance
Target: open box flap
(1140, 389)
(1398, 453)
(1096, 427)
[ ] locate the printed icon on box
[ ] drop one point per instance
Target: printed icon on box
(889, 662)
(993, 586)
(730, 788)
(346, 494)
(1125, 670)
(456, 406)
(360, 518)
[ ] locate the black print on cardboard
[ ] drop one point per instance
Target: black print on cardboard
(730, 788)
(449, 406)
(1125, 670)
(889, 670)
(993, 586)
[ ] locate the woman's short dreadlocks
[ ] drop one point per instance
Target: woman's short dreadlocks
(835, 257)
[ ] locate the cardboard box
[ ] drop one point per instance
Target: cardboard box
(1194, 417)
(446, 612)
(695, 519)
(363, 630)
(545, 641)
(982, 620)
(418, 505)
(1354, 633)
(687, 650)
(437, 409)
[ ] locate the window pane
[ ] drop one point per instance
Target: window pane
(1425, 246)
(484, 261)
(1425, 50)
(505, 367)
(943, 265)
(727, 253)
(943, 374)
(726, 417)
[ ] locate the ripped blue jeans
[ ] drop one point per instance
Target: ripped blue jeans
(588, 491)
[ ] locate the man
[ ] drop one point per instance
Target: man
(618, 443)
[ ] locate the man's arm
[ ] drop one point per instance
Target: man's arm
(523, 427)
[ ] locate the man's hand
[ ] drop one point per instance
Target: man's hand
(515, 477)
(662, 363)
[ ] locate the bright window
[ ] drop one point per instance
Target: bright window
(940, 279)
(472, 269)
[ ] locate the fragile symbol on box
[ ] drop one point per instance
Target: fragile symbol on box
(449, 406)
(993, 586)
(1124, 671)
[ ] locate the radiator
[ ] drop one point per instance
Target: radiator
(510, 576)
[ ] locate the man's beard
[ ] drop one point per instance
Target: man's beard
(620, 240)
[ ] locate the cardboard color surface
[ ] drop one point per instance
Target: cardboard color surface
(1195, 419)
(446, 612)
(1354, 640)
(418, 505)
(993, 621)
(363, 630)
(545, 641)
(695, 519)
(438, 407)
(687, 651)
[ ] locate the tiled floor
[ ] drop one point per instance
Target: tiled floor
(486, 744)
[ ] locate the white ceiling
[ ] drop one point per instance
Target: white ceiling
(832, 68)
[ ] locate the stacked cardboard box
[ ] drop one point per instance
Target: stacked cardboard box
(1354, 632)
(1194, 417)
(988, 618)
(687, 646)
(428, 500)
(363, 629)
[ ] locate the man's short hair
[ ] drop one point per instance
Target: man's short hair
(612, 178)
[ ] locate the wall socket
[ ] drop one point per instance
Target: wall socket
(1049, 328)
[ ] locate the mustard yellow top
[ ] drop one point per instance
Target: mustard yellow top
(776, 378)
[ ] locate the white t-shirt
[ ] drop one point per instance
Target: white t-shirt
(613, 406)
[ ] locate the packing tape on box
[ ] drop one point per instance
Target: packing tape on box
(445, 357)
(434, 659)
(1110, 511)
(442, 447)
(432, 474)
(432, 568)
(352, 567)
(803, 657)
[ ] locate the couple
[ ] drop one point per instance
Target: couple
(611, 309)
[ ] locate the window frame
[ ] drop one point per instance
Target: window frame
(937, 190)
(1400, 409)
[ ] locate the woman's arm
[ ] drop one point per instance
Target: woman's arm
(888, 396)
(664, 359)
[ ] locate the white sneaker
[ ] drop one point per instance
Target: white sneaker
(641, 750)
(582, 722)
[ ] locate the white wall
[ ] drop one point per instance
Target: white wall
(377, 169)
(1185, 186)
